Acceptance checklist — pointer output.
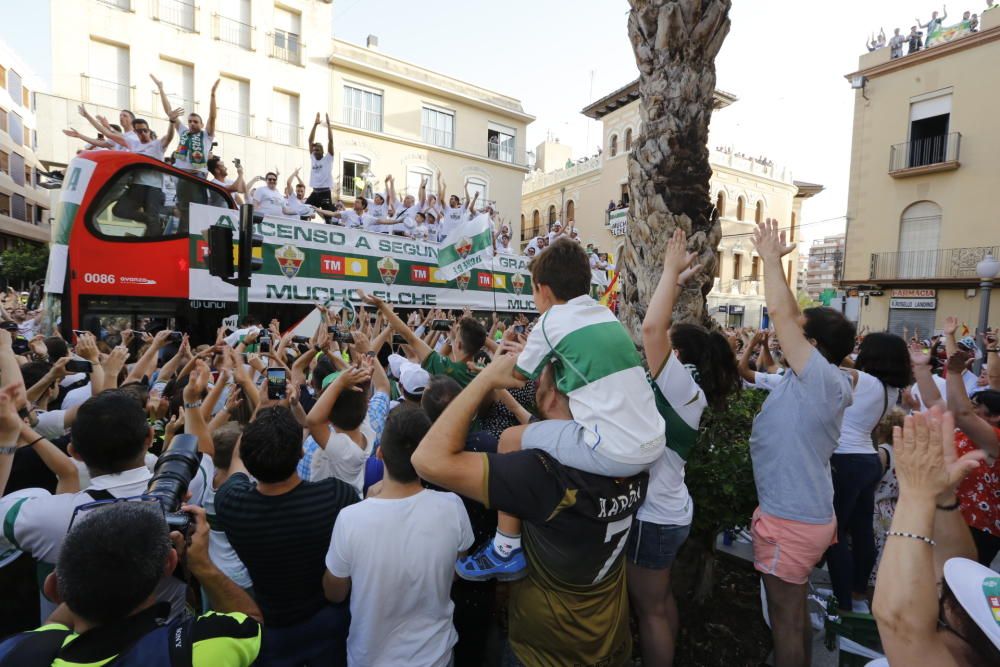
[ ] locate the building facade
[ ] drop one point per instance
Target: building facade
(746, 190)
(923, 160)
(24, 204)
(824, 265)
(279, 66)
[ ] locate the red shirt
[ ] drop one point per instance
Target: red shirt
(979, 492)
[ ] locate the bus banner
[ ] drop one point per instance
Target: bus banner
(308, 263)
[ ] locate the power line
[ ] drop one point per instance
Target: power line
(785, 229)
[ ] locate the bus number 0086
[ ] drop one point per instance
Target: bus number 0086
(100, 278)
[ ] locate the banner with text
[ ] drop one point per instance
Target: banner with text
(307, 263)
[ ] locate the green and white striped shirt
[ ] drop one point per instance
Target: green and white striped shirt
(599, 369)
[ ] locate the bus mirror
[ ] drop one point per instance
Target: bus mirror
(220, 251)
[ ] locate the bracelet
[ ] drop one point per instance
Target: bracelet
(189, 406)
(993, 349)
(35, 441)
(895, 533)
(7, 451)
(950, 508)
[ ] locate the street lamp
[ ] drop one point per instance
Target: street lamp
(987, 270)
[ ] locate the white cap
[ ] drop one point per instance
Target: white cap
(395, 362)
(413, 379)
(977, 589)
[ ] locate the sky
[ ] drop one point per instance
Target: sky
(784, 59)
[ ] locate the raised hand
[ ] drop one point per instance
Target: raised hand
(950, 325)
(157, 82)
(317, 121)
(72, 133)
(770, 241)
(175, 114)
(922, 465)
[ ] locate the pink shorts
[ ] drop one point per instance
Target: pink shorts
(789, 549)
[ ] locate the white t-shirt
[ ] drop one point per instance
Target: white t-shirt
(352, 220)
(268, 201)
(128, 136)
(343, 458)
(321, 176)
(233, 339)
(77, 396)
(378, 210)
(422, 232)
(872, 400)
(298, 207)
(504, 249)
(942, 387)
(152, 149)
(668, 502)
(401, 608)
(451, 218)
(220, 551)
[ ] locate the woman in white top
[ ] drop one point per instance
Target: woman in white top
(883, 370)
(692, 369)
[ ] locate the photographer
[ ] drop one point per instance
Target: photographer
(107, 575)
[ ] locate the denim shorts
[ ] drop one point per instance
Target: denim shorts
(654, 546)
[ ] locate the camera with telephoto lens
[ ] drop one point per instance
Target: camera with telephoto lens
(174, 471)
(338, 335)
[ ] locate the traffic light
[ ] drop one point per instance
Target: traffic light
(220, 251)
(251, 251)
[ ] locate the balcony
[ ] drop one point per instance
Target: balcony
(177, 13)
(747, 286)
(925, 156)
(124, 5)
(286, 46)
(156, 104)
(617, 221)
(106, 93)
(947, 265)
(284, 133)
(233, 32)
(234, 122)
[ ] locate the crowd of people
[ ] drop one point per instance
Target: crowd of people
(354, 496)
(921, 35)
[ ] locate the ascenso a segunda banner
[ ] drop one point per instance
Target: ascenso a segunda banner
(307, 263)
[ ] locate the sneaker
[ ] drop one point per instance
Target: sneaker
(487, 564)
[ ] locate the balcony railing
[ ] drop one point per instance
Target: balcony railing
(106, 93)
(286, 46)
(175, 101)
(178, 13)
(503, 151)
(939, 150)
(234, 32)
(438, 137)
(958, 264)
(284, 133)
(234, 122)
(124, 5)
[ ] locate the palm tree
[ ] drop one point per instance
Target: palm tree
(675, 44)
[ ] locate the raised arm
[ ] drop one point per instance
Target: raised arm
(312, 133)
(93, 141)
(213, 110)
(422, 349)
(678, 267)
(745, 371)
(472, 202)
(441, 191)
(423, 191)
(980, 432)
(329, 136)
(781, 304)
(164, 100)
(318, 419)
(288, 182)
(950, 327)
(172, 119)
(90, 119)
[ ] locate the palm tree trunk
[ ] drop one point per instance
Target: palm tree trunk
(675, 44)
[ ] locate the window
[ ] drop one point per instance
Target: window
(438, 127)
(28, 180)
(737, 266)
(740, 208)
(14, 86)
(4, 163)
(536, 222)
(3, 76)
(144, 204)
(285, 118)
(107, 80)
(759, 214)
(919, 234)
(414, 175)
(628, 140)
(500, 142)
(17, 207)
(614, 145)
(3, 119)
(352, 181)
(25, 98)
(286, 42)
(720, 204)
(570, 211)
(27, 136)
(362, 109)
(178, 82)
(552, 214)
(17, 168)
(233, 23)
(4, 204)
(16, 129)
(755, 268)
(178, 13)
(29, 213)
(233, 114)
(478, 186)
(929, 124)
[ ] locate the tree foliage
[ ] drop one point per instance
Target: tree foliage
(24, 262)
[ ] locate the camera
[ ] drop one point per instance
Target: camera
(441, 325)
(236, 162)
(9, 326)
(175, 337)
(338, 335)
(79, 366)
(265, 344)
(276, 382)
(298, 340)
(174, 471)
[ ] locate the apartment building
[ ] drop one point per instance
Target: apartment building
(923, 162)
(24, 204)
(823, 266)
(279, 66)
(747, 189)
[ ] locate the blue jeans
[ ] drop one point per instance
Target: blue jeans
(850, 562)
(320, 641)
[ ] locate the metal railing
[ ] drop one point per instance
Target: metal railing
(284, 133)
(362, 119)
(234, 122)
(124, 5)
(175, 101)
(286, 46)
(944, 263)
(437, 137)
(503, 151)
(925, 152)
(106, 93)
(233, 32)
(178, 13)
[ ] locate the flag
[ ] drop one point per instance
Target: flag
(354, 266)
(468, 245)
(608, 296)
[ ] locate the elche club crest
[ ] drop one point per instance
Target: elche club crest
(517, 282)
(290, 260)
(388, 268)
(463, 280)
(463, 247)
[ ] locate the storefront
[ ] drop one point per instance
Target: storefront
(912, 312)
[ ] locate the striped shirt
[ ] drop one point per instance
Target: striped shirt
(599, 369)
